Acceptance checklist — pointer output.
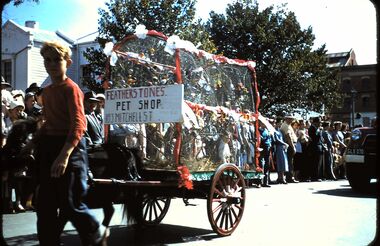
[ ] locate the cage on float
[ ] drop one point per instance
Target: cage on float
(194, 117)
(198, 109)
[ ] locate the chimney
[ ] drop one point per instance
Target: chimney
(32, 24)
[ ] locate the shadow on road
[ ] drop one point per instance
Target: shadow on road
(122, 235)
(347, 191)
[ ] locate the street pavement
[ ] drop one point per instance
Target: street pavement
(313, 213)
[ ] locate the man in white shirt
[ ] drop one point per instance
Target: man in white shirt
(290, 138)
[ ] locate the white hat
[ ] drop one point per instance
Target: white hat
(101, 95)
(15, 104)
(6, 97)
(16, 93)
(4, 84)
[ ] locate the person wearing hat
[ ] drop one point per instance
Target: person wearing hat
(99, 111)
(266, 143)
(5, 85)
(328, 152)
(94, 131)
(29, 103)
(290, 138)
(12, 112)
(38, 97)
(18, 95)
(15, 113)
(6, 99)
(32, 88)
(339, 137)
(16, 110)
(300, 158)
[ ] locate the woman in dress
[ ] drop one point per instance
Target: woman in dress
(280, 148)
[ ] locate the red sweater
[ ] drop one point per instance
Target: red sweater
(64, 111)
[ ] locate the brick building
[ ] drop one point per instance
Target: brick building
(359, 88)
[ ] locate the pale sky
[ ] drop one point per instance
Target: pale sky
(341, 24)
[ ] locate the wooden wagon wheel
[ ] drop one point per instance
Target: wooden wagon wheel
(225, 203)
(154, 209)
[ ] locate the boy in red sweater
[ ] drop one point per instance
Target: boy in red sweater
(62, 155)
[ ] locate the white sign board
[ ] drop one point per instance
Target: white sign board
(152, 104)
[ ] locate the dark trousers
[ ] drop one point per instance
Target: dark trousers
(316, 160)
(2, 240)
(60, 199)
(290, 155)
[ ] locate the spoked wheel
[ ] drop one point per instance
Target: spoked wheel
(154, 209)
(225, 204)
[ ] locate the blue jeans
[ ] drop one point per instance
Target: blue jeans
(60, 199)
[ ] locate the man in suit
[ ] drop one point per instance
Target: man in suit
(94, 132)
(315, 150)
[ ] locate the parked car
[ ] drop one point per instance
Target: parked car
(360, 157)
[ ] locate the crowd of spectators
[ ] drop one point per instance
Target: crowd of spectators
(18, 187)
(298, 149)
(304, 150)
(18, 105)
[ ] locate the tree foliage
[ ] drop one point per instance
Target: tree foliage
(290, 73)
(167, 16)
(15, 3)
(171, 17)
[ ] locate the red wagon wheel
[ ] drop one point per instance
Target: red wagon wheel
(225, 204)
(154, 209)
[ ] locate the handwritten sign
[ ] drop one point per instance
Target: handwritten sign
(152, 104)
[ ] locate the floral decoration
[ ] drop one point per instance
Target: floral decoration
(184, 177)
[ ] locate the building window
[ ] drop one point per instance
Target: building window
(6, 68)
(347, 103)
(365, 101)
(346, 85)
(365, 83)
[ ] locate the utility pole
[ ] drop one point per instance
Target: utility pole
(353, 98)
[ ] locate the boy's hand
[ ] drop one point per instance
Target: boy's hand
(59, 166)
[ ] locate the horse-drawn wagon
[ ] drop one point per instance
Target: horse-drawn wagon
(195, 117)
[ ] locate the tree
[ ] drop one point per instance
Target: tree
(198, 34)
(166, 16)
(15, 3)
(290, 73)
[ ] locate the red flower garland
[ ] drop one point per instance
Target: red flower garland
(184, 178)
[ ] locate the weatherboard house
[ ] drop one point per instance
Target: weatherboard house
(21, 62)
